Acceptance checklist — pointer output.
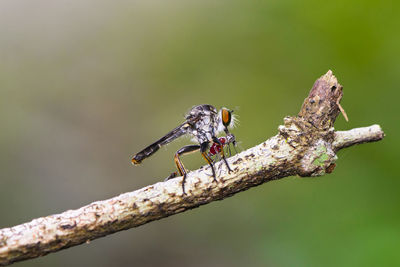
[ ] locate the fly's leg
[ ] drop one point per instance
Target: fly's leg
(172, 175)
(179, 164)
(231, 140)
(234, 147)
(216, 140)
(203, 149)
(229, 149)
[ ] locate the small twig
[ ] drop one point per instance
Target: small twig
(342, 110)
(306, 145)
(356, 136)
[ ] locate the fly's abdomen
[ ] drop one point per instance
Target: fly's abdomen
(145, 153)
(153, 148)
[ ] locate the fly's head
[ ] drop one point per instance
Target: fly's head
(226, 120)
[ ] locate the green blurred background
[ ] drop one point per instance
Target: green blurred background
(86, 84)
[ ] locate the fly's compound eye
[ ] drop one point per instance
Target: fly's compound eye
(226, 117)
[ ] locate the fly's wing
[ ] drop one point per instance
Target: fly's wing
(151, 149)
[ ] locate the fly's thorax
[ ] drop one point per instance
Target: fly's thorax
(200, 111)
(203, 133)
(204, 122)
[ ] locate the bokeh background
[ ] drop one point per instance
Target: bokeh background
(86, 84)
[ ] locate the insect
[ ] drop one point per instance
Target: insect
(203, 123)
(216, 148)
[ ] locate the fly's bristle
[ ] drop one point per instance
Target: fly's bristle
(235, 121)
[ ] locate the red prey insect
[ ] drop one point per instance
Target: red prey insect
(216, 148)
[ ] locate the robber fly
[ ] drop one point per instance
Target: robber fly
(203, 123)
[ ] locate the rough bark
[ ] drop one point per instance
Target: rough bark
(306, 146)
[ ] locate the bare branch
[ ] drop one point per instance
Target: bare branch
(306, 145)
(357, 136)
